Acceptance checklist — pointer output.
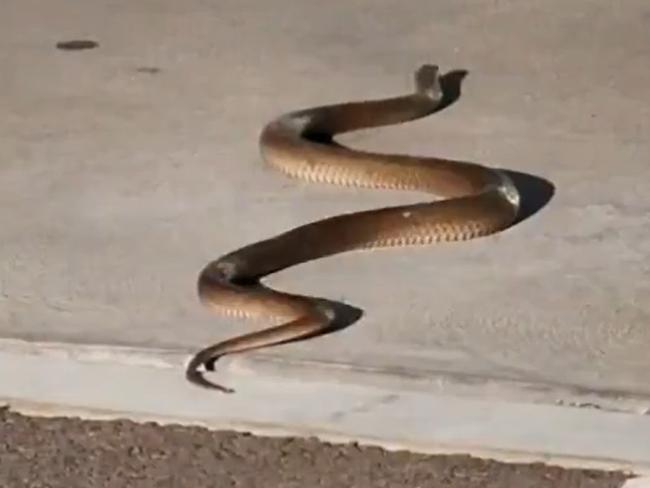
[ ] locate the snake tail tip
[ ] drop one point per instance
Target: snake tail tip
(197, 378)
(223, 389)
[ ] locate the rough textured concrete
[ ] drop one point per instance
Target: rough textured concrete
(125, 168)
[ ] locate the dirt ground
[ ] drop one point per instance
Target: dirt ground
(70, 452)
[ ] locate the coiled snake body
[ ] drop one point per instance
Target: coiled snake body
(473, 201)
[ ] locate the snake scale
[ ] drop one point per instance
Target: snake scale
(470, 201)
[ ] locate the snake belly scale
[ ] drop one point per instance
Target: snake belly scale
(470, 201)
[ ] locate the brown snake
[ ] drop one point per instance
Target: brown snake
(472, 201)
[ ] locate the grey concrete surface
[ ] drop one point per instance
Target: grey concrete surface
(126, 168)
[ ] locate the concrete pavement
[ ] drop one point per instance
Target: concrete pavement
(124, 169)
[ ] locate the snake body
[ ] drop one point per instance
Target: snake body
(471, 201)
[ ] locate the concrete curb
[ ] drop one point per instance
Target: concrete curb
(403, 379)
(641, 482)
(108, 384)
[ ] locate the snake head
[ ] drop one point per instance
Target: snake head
(427, 81)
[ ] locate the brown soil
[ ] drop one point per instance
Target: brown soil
(69, 452)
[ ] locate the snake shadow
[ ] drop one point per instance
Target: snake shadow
(451, 84)
(535, 193)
